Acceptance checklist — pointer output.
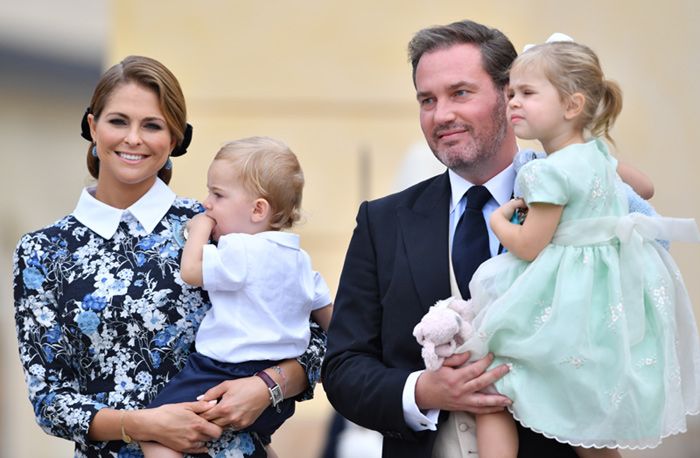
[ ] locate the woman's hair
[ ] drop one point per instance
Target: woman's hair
(267, 168)
(571, 68)
(152, 75)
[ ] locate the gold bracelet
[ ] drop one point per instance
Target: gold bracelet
(125, 437)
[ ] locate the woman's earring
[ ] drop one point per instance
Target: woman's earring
(94, 150)
(168, 165)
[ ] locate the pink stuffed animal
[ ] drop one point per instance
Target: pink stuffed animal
(446, 326)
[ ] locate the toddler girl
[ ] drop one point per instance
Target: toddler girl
(586, 308)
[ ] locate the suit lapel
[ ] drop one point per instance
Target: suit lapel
(424, 227)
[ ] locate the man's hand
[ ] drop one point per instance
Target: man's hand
(458, 388)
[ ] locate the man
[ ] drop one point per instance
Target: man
(398, 263)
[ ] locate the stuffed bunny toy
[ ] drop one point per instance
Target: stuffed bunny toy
(446, 326)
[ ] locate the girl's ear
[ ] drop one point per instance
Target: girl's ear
(574, 106)
(261, 210)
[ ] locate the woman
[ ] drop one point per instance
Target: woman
(103, 318)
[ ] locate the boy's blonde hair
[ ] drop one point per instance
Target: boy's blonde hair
(267, 168)
(571, 68)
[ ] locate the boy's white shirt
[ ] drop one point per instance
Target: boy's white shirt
(262, 289)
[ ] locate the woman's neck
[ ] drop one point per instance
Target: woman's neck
(121, 195)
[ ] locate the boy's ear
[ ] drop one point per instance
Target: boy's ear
(575, 106)
(261, 210)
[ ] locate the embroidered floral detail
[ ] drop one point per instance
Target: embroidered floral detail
(544, 316)
(646, 362)
(615, 396)
(575, 361)
(661, 297)
(616, 312)
(598, 194)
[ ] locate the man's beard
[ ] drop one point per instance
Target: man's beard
(482, 147)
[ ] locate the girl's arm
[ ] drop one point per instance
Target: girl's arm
(527, 240)
(641, 183)
(199, 229)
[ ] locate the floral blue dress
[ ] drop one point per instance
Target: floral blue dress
(107, 322)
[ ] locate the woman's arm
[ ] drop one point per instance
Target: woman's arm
(242, 401)
(526, 241)
(177, 426)
(323, 316)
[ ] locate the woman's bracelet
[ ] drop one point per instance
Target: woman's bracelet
(125, 437)
(279, 370)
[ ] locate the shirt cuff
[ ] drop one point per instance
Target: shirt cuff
(416, 419)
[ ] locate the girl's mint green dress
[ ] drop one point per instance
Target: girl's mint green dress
(598, 330)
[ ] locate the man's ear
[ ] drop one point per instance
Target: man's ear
(261, 210)
(574, 106)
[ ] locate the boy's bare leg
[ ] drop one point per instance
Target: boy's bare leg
(157, 450)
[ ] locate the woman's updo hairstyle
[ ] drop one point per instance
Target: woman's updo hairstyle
(150, 74)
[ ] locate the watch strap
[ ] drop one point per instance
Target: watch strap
(273, 387)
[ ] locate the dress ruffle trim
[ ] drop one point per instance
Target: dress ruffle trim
(618, 444)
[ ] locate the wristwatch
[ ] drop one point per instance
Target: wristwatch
(276, 395)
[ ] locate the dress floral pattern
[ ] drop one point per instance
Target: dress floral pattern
(108, 322)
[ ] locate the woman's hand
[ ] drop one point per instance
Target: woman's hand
(241, 402)
(177, 426)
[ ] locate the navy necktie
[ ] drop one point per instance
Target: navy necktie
(470, 245)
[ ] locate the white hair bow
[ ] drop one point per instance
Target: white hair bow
(556, 36)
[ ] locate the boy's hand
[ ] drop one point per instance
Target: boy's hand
(200, 225)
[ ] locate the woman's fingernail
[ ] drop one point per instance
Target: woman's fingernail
(199, 398)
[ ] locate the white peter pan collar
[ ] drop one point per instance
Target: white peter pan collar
(104, 219)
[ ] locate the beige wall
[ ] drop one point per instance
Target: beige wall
(332, 80)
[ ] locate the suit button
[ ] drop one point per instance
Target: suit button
(463, 427)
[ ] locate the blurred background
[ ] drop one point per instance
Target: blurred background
(332, 80)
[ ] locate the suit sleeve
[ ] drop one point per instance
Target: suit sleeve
(357, 382)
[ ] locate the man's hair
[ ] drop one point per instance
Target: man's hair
(497, 52)
(267, 168)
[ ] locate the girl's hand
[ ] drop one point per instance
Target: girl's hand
(177, 426)
(506, 210)
(241, 402)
